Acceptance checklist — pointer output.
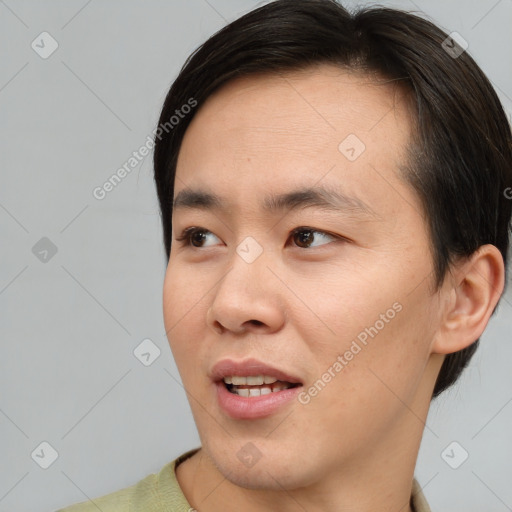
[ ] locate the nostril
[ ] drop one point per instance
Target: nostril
(218, 327)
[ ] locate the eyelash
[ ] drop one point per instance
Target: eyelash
(186, 235)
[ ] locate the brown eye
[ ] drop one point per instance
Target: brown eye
(194, 237)
(197, 238)
(304, 237)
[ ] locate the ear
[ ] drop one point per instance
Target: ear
(472, 289)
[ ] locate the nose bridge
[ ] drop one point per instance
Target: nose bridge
(248, 267)
(248, 292)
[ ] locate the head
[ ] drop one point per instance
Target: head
(385, 296)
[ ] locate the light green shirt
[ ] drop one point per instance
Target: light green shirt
(162, 493)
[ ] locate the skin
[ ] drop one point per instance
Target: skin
(298, 307)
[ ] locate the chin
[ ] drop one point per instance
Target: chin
(262, 468)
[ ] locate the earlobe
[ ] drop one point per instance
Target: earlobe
(476, 284)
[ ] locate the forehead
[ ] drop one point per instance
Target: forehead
(320, 126)
(327, 93)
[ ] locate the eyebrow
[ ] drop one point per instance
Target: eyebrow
(321, 198)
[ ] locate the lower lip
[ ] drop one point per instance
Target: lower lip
(248, 408)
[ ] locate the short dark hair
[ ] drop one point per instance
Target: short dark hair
(460, 156)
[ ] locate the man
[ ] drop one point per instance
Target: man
(333, 196)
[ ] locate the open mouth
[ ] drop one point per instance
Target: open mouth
(256, 385)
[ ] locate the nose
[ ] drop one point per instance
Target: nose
(247, 299)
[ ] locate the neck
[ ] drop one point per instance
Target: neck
(381, 479)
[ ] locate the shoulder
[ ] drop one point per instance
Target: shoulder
(418, 500)
(122, 500)
(155, 493)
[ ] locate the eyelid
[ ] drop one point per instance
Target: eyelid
(314, 230)
(186, 234)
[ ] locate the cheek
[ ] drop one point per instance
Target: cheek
(382, 333)
(184, 311)
(183, 292)
(372, 382)
(339, 302)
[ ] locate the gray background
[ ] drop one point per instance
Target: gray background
(69, 325)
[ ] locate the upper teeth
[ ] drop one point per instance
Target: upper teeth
(256, 380)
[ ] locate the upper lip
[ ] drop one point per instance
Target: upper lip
(249, 367)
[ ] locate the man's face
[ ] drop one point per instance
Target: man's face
(337, 300)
